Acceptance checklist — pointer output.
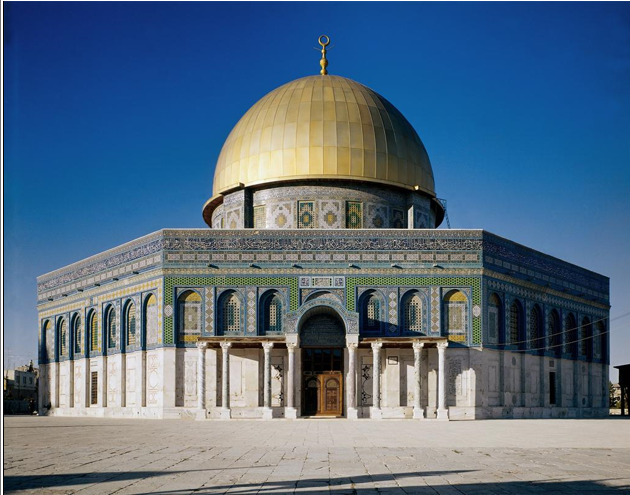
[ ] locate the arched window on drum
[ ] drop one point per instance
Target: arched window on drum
(230, 314)
(413, 313)
(77, 332)
(516, 334)
(495, 319)
(271, 313)
(151, 327)
(111, 326)
(455, 320)
(190, 320)
(131, 338)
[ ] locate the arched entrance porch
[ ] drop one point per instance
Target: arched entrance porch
(322, 342)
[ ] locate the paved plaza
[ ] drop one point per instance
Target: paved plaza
(87, 455)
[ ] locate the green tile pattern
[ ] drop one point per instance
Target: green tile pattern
(200, 281)
(473, 282)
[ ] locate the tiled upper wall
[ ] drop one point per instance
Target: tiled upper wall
(367, 249)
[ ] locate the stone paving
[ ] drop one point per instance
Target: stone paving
(94, 456)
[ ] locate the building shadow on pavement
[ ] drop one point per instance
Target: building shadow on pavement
(394, 483)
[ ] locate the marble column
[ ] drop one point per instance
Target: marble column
(442, 412)
(225, 380)
(43, 384)
(87, 383)
(121, 380)
(201, 379)
(290, 411)
(375, 411)
(102, 382)
(71, 382)
(141, 378)
(53, 370)
(267, 411)
(418, 412)
(353, 412)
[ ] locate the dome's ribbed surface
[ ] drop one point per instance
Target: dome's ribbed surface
(324, 127)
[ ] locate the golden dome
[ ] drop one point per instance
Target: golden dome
(323, 127)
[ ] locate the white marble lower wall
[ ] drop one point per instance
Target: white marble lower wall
(154, 378)
(186, 378)
(81, 383)
(520, 385)
(479, 384)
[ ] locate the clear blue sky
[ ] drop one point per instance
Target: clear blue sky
(116, 112)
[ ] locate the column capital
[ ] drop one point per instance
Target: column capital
(291, 346)
(377, 345)
(418, 346)
(226, 345)
(202, 345)
(442, 345)
(267, 346)
(352, 345)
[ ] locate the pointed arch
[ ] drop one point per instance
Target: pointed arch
(571, 332)
(554, 333)
(270, 320)
(371, 316)
(536, 340)
(495, 320)
(189, 317)
(150, 320)
(413, 313)
(111, 327)
(62, 337)
(129, 322)
(318, 318)
(49, 340)
(93, 330)
(77, 333)
(599, 342)
(230, 314)
(586, 332)
(455, 322)
(516, 324)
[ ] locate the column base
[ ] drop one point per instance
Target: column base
(418, 413)
(442, 414)
(201, 414)
(376, 413)
(353, 413)
(290, 413)
(226, 414)
(267, 413)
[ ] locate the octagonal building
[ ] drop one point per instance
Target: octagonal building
(323, 287)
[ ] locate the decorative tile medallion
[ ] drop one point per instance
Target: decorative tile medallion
(322, 282)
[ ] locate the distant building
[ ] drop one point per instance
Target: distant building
(20, 388)
(624, 388)
(615, 394)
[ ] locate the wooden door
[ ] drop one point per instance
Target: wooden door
(331, 398)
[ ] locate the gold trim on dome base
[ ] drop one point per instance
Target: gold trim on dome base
(273, 180)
